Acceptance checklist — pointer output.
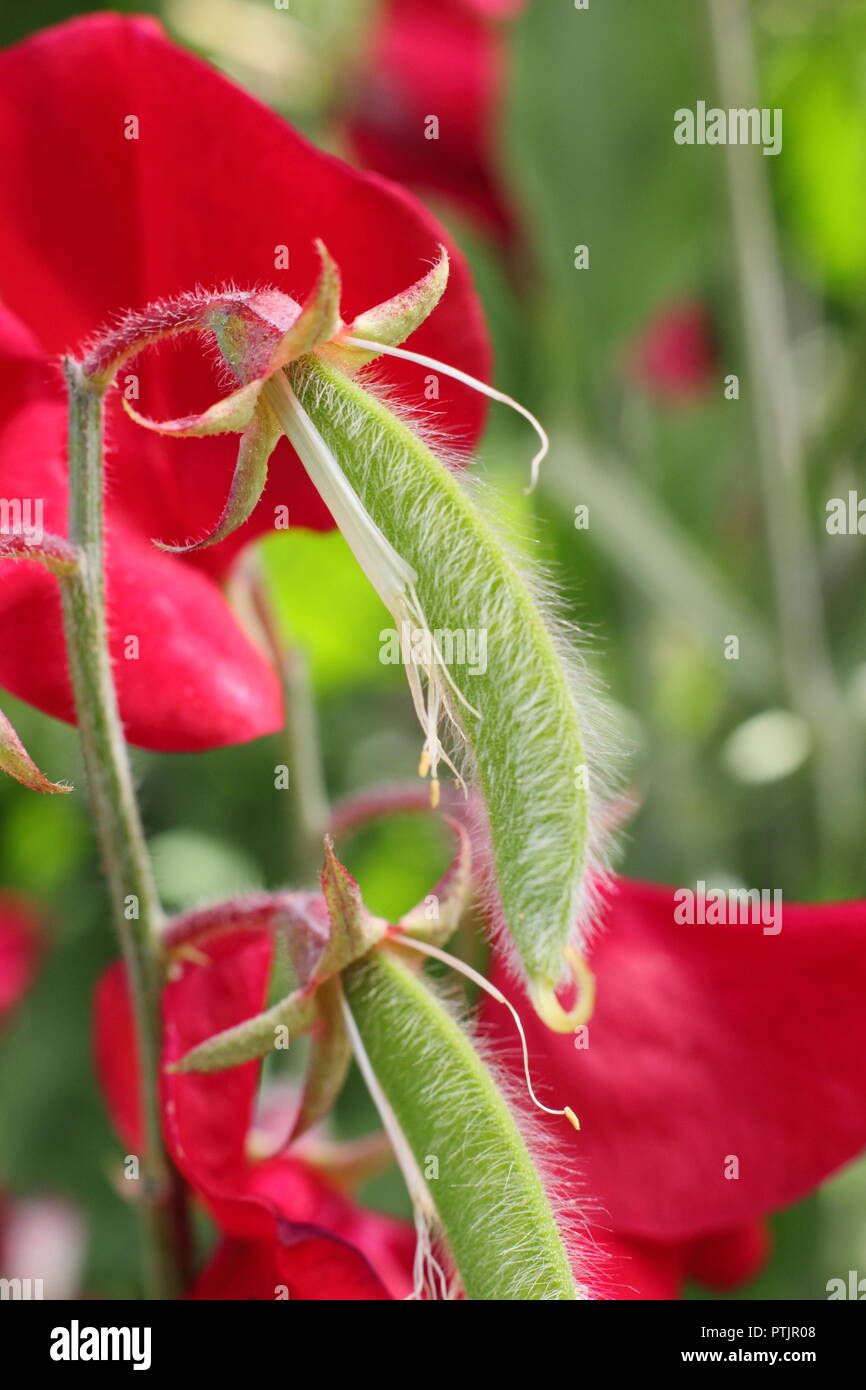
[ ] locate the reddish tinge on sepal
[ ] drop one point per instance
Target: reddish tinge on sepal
(57, 555)
(15, 760)
(286, 1231)
(155, 224)
(259, 333)
(318, 957)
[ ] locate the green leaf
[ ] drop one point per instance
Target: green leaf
(338, 622)
(488, 1195)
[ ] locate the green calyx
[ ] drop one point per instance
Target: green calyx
(472, 1179)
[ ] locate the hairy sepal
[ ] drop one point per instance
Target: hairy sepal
(353, 931)
(317, 958)
(438, 915)
(17, 762)
(330, 1055)
(254, 1038)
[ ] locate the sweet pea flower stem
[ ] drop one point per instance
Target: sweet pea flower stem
(135, 904)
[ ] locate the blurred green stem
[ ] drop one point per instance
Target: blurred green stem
(135, 905)
(310, 808)
(808, 670)
(647, 544)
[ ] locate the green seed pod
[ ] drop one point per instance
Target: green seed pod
(522, 710)
(486, 1190)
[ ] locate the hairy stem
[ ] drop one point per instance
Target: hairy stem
(808, 670)
(135, 905)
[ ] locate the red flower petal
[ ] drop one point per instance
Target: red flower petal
(209, 1118)
(730, 1258)
(20, 947)
(115, 1053)
(209, 190)
(291, 1186)
(210, 1115)
(213, 185)
(443, 60)
(308, 1264)
(628, 1270)
(197, 681)
(675, 355)
(286, 1224)
(711, 1043)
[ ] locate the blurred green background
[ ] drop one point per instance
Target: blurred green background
(722, 754)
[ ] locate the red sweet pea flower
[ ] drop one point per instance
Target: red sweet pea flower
(20, 947)
(496, 9)
(132, 172)
(675, 356)
(643, 1269)
(283, 1226)
(442, 61)
(723, 1079)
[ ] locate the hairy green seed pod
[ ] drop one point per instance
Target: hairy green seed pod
(523, 713)
(486, 1190)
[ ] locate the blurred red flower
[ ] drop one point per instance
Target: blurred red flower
(674, 356)
(283, 1225)
(723, 1080)
(20, 948)
(424, 108)
(133, 171)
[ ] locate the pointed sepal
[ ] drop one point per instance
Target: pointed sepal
(58, 556)
(395, 319)
(17, 762)
(330, 1055)
(255, 1038)
(231, 415)
(437, 917)
(319, 318)
(257, 443)
(354, 931)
